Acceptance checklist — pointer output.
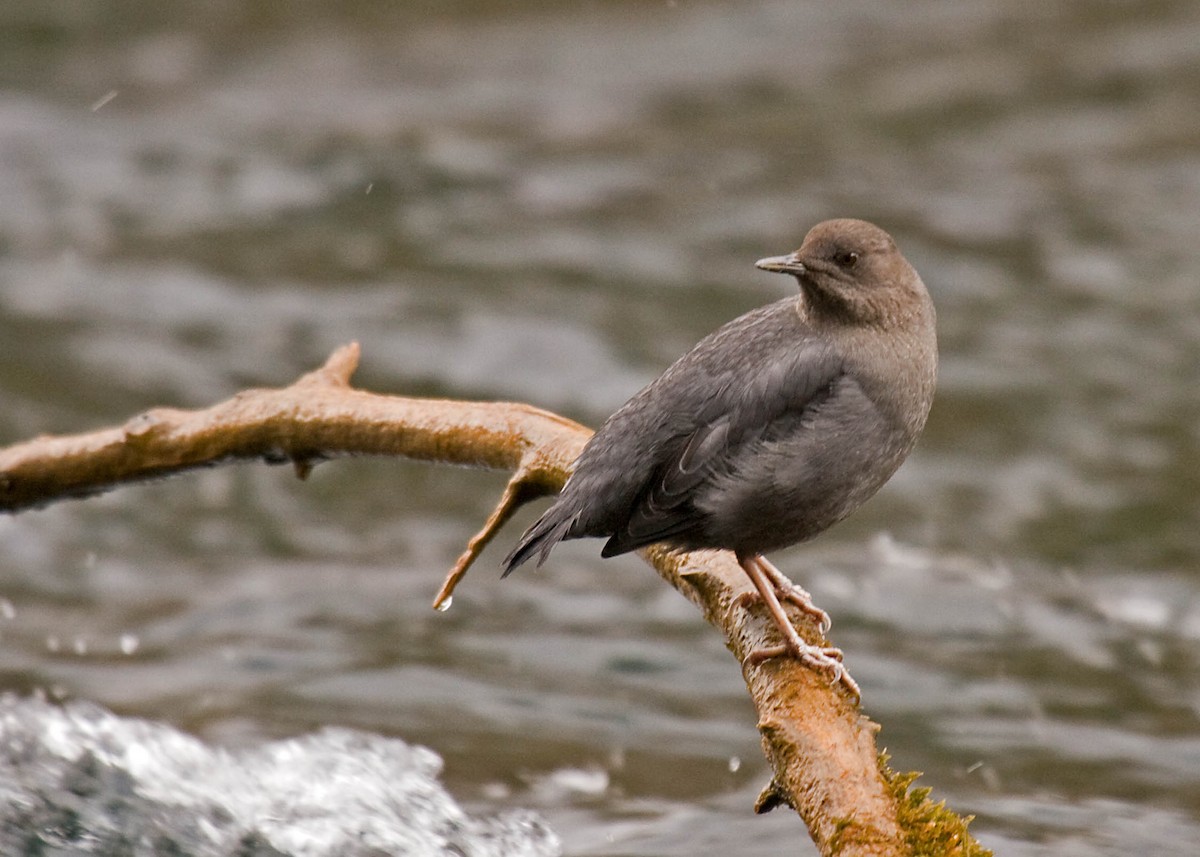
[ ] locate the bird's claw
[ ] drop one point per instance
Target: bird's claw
(769, 584)
(788, 591)
(801, 598)
(817, 657)
(793, 595)
(820, 658)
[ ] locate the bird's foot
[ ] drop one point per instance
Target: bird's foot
(788, 591)
(821, 658)
(792, 595)
(766, 579)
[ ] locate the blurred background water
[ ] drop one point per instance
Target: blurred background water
(549, 202)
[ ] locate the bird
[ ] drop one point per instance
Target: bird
(772, 429)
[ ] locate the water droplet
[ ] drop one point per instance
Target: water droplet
(6, 609)
(735, 763)
(80, 646)
(104, 99)
(129, 644)
(445, 605)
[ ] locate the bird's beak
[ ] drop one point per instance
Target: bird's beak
(789, 264)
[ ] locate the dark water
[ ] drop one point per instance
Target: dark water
(549, 202)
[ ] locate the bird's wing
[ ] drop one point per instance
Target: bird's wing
(746, 407)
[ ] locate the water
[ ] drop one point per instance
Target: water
(144, 788)
(549, 203)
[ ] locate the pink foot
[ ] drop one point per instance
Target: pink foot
(770, 583)
(797, 595)
(821, 658)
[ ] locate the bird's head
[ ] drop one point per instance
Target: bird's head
(853, 270)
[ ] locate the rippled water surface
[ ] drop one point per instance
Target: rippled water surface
(549, 202)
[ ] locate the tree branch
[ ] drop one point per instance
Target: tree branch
(820, 747)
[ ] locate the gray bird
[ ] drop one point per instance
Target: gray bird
(770, 430)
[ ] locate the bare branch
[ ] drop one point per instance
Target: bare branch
(319, 416)
(820, 746)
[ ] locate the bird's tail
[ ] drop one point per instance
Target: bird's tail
(550, 529)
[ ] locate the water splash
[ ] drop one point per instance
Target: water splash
(337, 792)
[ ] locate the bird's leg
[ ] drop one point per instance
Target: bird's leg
(785, 590)
(825, 658)
(789, 591)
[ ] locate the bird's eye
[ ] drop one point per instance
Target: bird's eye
(846, 258)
